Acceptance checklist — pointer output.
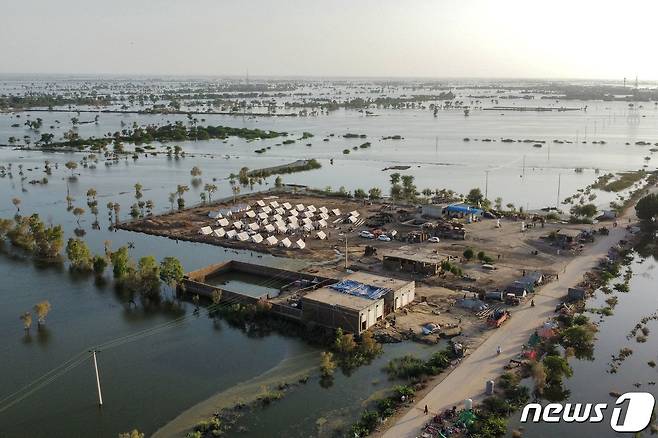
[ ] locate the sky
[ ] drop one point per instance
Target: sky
(584, 39)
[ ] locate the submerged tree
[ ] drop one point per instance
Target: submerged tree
(42, 309)
(27, 320)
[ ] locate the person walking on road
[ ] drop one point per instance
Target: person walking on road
(426, 410)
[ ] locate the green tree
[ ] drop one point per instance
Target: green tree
(171, 271)
(408, 187)
(132, 434)
(475, 197)
(79, 255)
(99, 263)
(327, 364)
(278, 182)
(42, 309)
(27, 320)
(78, 212)
(210, 188)
(375, 193)
(120, 260)
(468, 253)
(556, 368)
(71, 165)
(148, 271)
(360, 194)
(395, 178)
(647, 208)
(587, 210)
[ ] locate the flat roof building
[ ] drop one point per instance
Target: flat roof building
(334, 309)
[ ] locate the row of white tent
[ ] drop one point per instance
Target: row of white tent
(258, 238)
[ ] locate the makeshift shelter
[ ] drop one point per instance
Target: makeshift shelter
(277, 218)
(230, 234)
(351, 219)
(293, 226)
(287, 205)
(299, 207)
(251, 214)
(294, 213)
(260, 203)
(335, 212)
(292, 219)
(324, 216)
(269, 228)
(311, 208)
(308, 227)
(354, 213)
(242, 237)
(323, 210)
(300, 244)
(219, 232)
(205, 231)
(223, 222)
(238, 225)
(262, 216)
(308, 214)
(281, 228)
(266, 209)
(254, 226)
(257, 238)
(321, 223)
(321, 235)
(271, 241)
(286, 243)
(280, 211)
(274, 204)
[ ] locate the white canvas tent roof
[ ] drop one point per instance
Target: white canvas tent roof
(238, 225)
(294, 213)
(300, 244)
(285, 243)
(354, 213)
(280, 223)
(336, 212)
(351, 219)
(257, 238)
(214, 214)
(324, 216)
(311, 208)
(292, 219)
(321, 235)
(269, 228)
(231, 234)
(308, 214)
(322, 223)
(262, 215)
(219, 232)
(307, 221)
(280, 211)
(293, 226)
(323, 210)
(205, 230)
(287, 205)
(281, 228)
(251, 214)
(223, 222)
(260, 203)
(299, 207)
(274, 204)
(254, 226)
(242, 237)
(266, 209)
(277, 217)
(271, 240)
(308, 227)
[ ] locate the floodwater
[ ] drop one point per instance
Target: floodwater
(176, 359)
(591, 383)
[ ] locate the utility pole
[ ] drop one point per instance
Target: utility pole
(559, 180)
(98, 381)
(486, 185)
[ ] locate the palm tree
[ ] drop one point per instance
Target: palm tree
(210, 188)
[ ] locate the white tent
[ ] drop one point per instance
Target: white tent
(214, 215)
(267, 210)
(277, 218)
(257, 238)
(311, 208)
(253, 226)
(308, 227)
(294, 213)
(238, 225)
(219, 232)
(271, 240)
(335, 212)
(242, 237)
(286, 243)
(323, 210)
(269, 228)
(293, 226)
(274, 204)
(321, 223)
(280, 223)
(299, 207)
(280, 211)
(205, 231)
(351, 219)
(308, 214)
(324, 216)
(231, 234)
(287, 205)
(262, 216)
(260, 203)
(223, 222)
(281, 228)
(300, 244)
(321, 235)
(251, 214)
(292, 219)
(307, 221)
(354, 213)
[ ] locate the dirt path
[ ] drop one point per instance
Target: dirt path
(468, 379)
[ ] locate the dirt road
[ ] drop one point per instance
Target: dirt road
(468, 379)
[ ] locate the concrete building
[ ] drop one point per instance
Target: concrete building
(333, 309)
(413, 262)
(434, 211)
(402, 292)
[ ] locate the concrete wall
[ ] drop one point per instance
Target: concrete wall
(349, 320)
(396, 299)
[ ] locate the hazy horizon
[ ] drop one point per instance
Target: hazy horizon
(385, 39)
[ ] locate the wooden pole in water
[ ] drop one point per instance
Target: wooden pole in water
(559, 180)
(98, 381)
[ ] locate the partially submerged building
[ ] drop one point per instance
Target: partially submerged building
(333, 309)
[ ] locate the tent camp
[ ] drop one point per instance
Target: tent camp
(257, 238)
(308, 227)
(238, 225)
(292, 219)
(276, 218)
(271, 240)
(321, 235)
(287, 205)
(280, 211)
(223, 222)
(205, 231)
(219, 232)
(230, 234)
(324, 216)
(254, 226)
(262, 216)
(307, 221)
(242, 237)
(286, 243)
(281, 228)
(308, 214)
(300, 244)
(293, 226)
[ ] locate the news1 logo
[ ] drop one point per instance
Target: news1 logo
(638, 409)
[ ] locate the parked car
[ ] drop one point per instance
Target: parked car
(433, 239)
(384, 238)
(366, 234)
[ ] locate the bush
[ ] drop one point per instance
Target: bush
(468, 253)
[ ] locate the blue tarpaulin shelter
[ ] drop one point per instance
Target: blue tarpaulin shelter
(355, 288)
(463, 209)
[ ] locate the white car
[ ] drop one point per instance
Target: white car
(384, 238)
(366, 234)
(433, 240)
